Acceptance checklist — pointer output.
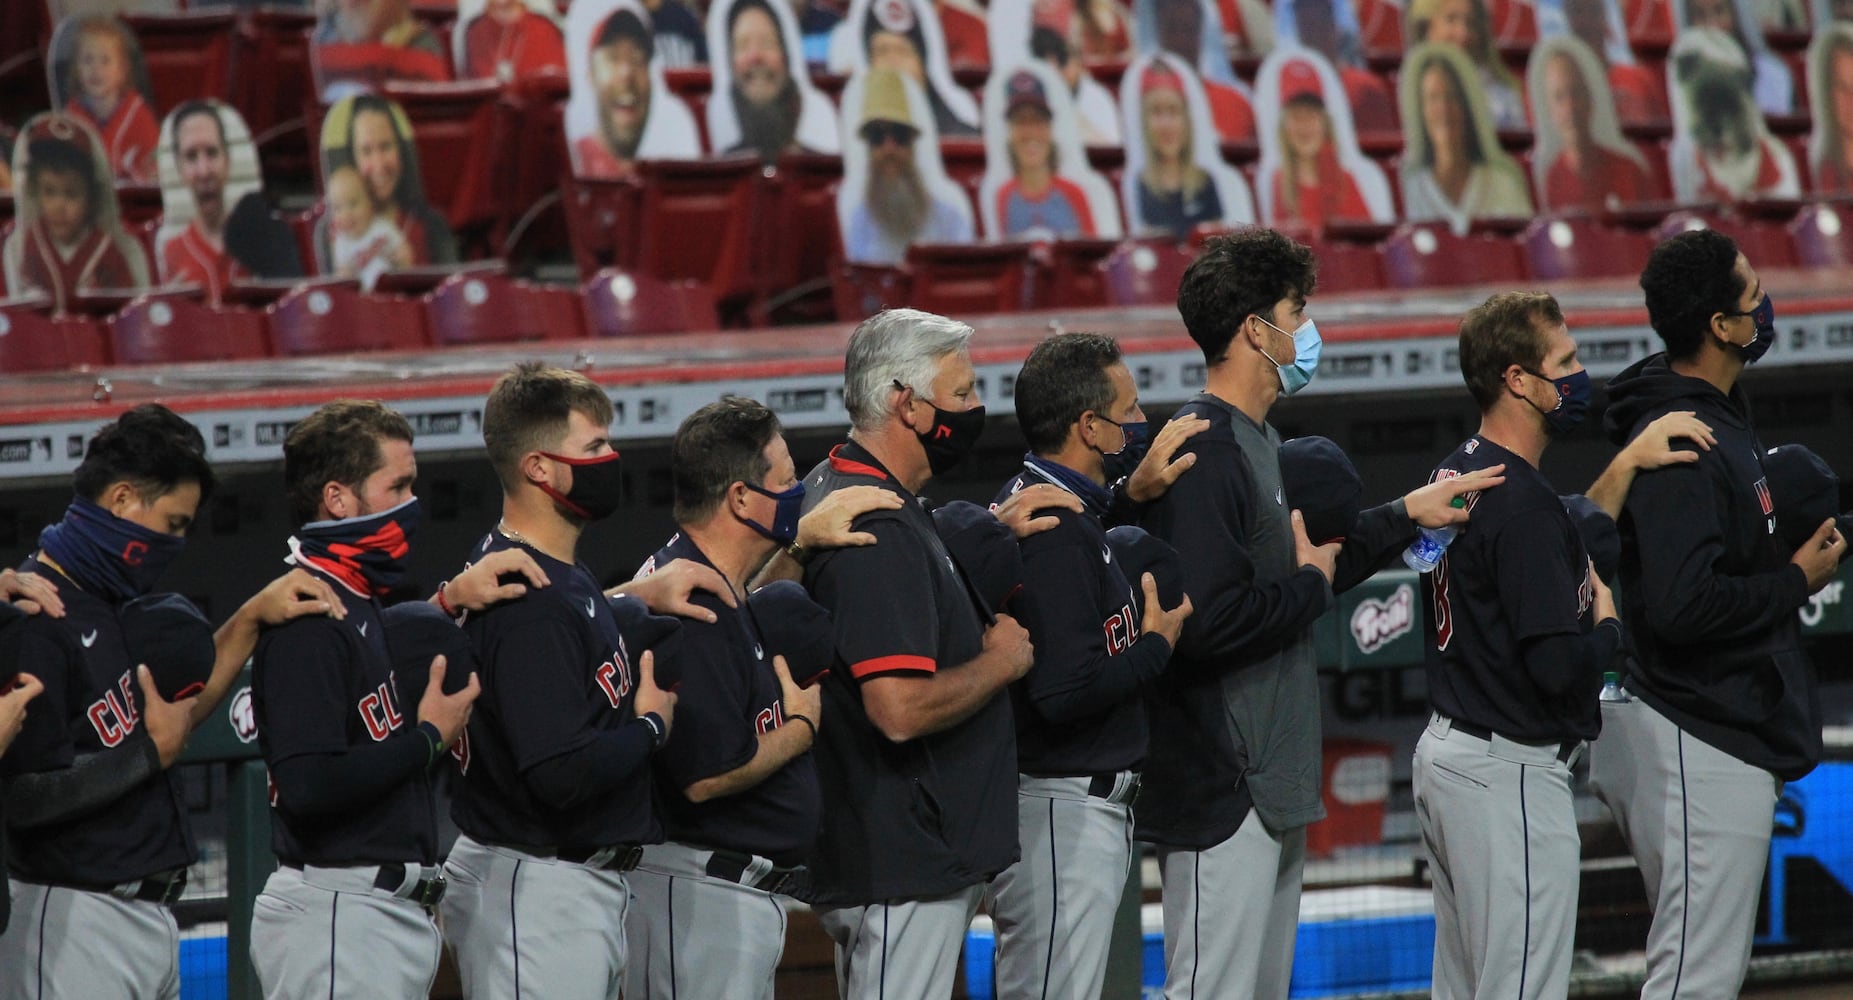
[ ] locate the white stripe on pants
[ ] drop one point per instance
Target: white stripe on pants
(1498, 825)
(1054, 908)
(903, 949)
(1232, 913)
(1698, 822)
(69, 944)
(692, 935)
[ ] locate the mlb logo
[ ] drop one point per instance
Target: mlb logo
(1762, 497)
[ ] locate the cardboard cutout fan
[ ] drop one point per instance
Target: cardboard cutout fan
(1057, 32)
(762, 100)
(895, 191)
(97, 74)
(1827, 12)
(1466, 25)
(1721, 149)
(1830, 74)
(1311, 172)
(1770, 80)
(209, 170)
(1192, 30)
(360, 44)
(1175, 178)
(1580, 159)
(905, 36)
(1453, 167)
(621, 110)
(506, 39)
(67, 236)
(377, 218)
(1330, 29)
(1597, 24)
(1037, 182)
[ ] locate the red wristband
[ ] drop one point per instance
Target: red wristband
(444, 605)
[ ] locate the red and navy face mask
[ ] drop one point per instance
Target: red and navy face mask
(598, 487)
(364, 554)
(111, 557)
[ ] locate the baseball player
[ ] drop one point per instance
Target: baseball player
(100, 843)
(739, 788)
(1081, 732)
(1231, 776)
(918, 762)
(1723, 705)
(350, 911)
(1522, 629)
(19, 689)
(555, 801)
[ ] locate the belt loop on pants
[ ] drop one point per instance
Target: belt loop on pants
(411, 882)
(1119, 787)
(161, 887)
(752, 871)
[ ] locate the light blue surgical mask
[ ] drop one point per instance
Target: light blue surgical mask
(1306, 346)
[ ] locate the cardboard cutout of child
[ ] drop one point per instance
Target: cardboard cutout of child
(98, 75)
(1175, 178)
(67, 236)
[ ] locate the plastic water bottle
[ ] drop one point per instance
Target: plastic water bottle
(1423, 553)
(1612, 689)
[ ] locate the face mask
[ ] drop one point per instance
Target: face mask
(784, 528)
(366, 554)
(1573, 392)
(952, 436)
(598, 486)
(1121, 463)
(109, 556)
(1764, 316)
(1306, 346)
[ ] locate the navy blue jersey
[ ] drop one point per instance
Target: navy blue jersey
(1079, 710)
(321, 686)
(92, 704)
(556, 684)
(934, 814)
(728, 696)
(1516, 573)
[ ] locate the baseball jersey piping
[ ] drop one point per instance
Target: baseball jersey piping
(1055, 901)
(1524, 826)
(1685, 861)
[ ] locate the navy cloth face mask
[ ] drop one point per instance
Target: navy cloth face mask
(111, 557)
(1121, 463)
(784, 529)
(1573, 393)
(365, 554)
(1764, 316)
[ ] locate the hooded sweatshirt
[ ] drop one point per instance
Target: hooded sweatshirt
(1707, 588)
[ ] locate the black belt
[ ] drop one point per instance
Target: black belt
(426, 892)
(617, 858)
(163, 887)
(1564, 750)
(1101, 786)
(736, 867)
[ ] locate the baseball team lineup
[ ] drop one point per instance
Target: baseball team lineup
(825, 687)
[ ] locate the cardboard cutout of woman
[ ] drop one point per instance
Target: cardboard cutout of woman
(1175, 178)
(97, 74)
(621, 110)
(1771, 82)
(208, 166)
(1330, 29)
(67, 235)
(1580, 160)
(1055, 32)
(1311, 172)
(506, 39)
(1721, 149)
(370, 179)
(1830, 96)
(762, 100)
(1598, 24)
(1192, 30)
(1465, 25)
(360, 44)
(895, 191)
(1453, 167)
(905, 36)
(1037, 183)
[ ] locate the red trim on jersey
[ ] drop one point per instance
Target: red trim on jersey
(898, 663)
(851, 467)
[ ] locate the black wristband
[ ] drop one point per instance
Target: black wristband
(801, 717)
(432, 737)
(659, 733)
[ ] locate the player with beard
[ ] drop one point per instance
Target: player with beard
(765, 97)
(897, 209)
(620, 71)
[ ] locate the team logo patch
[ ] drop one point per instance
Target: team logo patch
(1763, 497)
(1472, 445)
(1376, 623)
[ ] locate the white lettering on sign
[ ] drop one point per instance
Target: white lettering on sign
(1816, 609)
(1375, 623)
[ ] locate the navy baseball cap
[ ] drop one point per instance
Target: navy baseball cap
(660, 634)
(1804, 489)
(173, 638)
(984, 548)
(795, 627)
(416, 632)
(1139, 552)
(1322, 484)
(1597, 529)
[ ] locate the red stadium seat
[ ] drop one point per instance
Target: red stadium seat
(1429, 256)
(1580, 247)
(1348, 266)
(964, 160)
(492, 309)
(31, 340)
(1380, 26)
(1649, 23)
(700, 220)
(1077, 274)
(188, 54)
(336, 318)
(271, 86)
(1141, 274)
(862, 290)
(1764, 243)
(601, 222)
(534, 109)
(620, 304)
(25, 28)
(462, 154)
(965, 278)
(799, 247)
(1823, 236)
(156, 329)
(138, 203)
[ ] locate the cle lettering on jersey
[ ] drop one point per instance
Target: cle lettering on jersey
(114, 715)
(769, 719)
(614, 678)
(460, 750)
(380, 713)
(1122, 629)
